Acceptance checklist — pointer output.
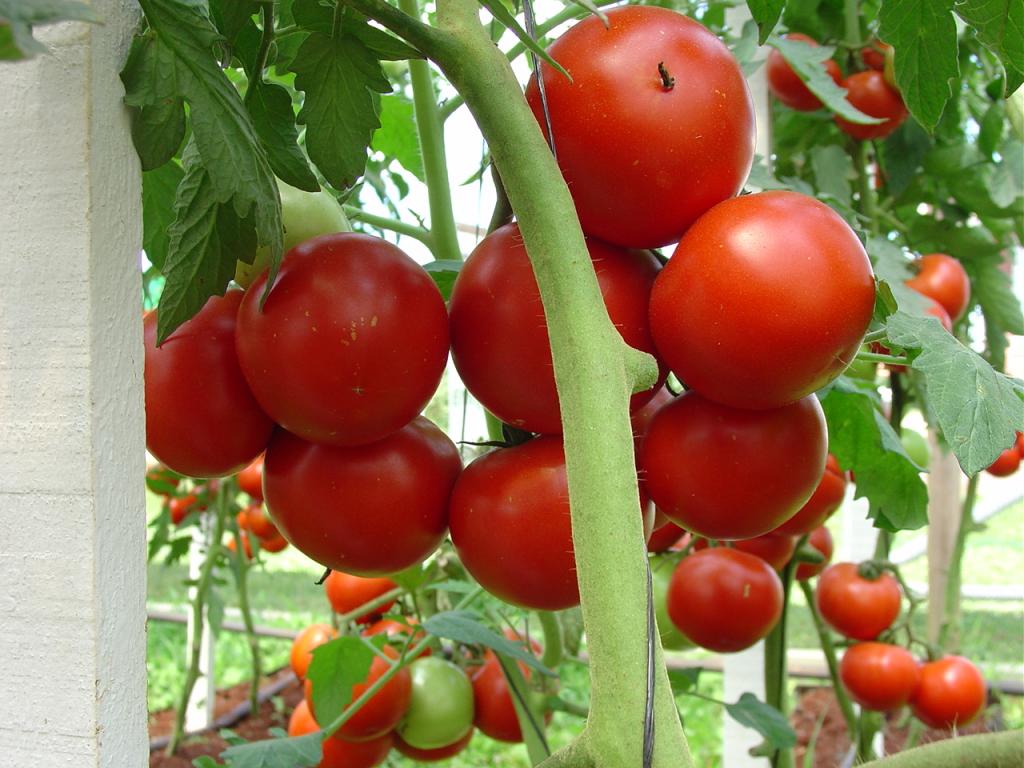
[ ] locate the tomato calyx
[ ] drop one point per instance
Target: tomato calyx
(667, 81)
(871, 570)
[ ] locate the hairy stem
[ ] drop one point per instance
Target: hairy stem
(987, 750)
(775, 672)
(392, 225)
(241, 569)
(829, 649)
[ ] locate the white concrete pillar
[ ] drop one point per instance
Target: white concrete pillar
(72, 508)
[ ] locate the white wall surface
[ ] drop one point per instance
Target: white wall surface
(72, 552)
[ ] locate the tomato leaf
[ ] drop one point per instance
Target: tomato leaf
(157, 131)
(808, 62)
(270, 107)
(978, 409)
(763, 718)
(832, 169)
(923, 34)
(17, 18)
(383, 45)
(864, 441)
(684, 680)
(158, 191)
(992, 289)
(902, 154)
(335, 668)
(1000, 28)
(298, 752)
(443, 272)
(505, 17)
(397, 138)
(465, 627)
(766, 14)
(340, 77)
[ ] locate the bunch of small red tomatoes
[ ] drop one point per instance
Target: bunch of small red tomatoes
(766, 300)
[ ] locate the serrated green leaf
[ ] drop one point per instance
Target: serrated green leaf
(684, 680)
(158, 194)
(591, 8)
(313, 15)
(465, 627)
(1000, 27)
(335, 668)
(766, 15)
(763, 718)
(270, 106)
(992, 128)
(832, 168)
(893, 267)
(923, 35)
(383, 45)
(808, 62)
(993, 290)
(232, 16)
(443, 272)
(902, 154)
(397, 137)
(978, 409)
(504, 16)
(297, 752)
(157, 131)
(17, 17)
(861, 439)
(340, 78)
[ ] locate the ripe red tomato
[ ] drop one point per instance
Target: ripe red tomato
(1004, 466)
(873, 56)
(511, 527)
(643, 160)
(346, 592)
(441, 709)
(943, 278)
(786, 85)
(951, 693)
(201, 418)
(1020, 443)
(664, 537)
(723, 599)
(855, 606)
(246, 545)
(250, 479)
(868, 92)
(821, 540)
(727, 473)
(494, 713)
(311, 637)
(253, 519)
(433, 755)
(351, 342)
(499, 336)
(774, 548)
(369, 510)
(766, 300)
(338, 753)
(182, 506)
(879, 676)
(275, 543)
(823, 502)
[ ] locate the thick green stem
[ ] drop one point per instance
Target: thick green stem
(868, 726)
(868, 200)
(392, 225)
(430, 127)
(775, 672)
(851, 23)
(241, 569)
(552, 629)
(874, 357)
(198, 611)
(829, 649)
(949, 635)
(987, 750)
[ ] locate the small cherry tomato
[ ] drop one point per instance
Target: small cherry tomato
(873, 55)
(855, 606)
(943, 278)
(879, 676)
(1007, 463)
(868, 92)
(951, 693)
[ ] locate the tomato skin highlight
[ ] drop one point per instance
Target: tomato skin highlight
(943, 279)
(790, 290)
(723, 599)
(511, 527)
(871, 94)
(499, 335)
(643, 161)
(347, 592)
(786, 85)
(821, 540)
(879, 676)
(311, 637)
(825, 500)
(196, 372)
(334, 355)
(338, 753)
(951, 693)
(340, 505)
(727, 473)
(854, 606)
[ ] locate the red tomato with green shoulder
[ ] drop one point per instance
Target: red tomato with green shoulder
(856, 606)
(727, 473)
(655, 127)
(942, 278)
(871, 94)
(951, 693)
(879, 676)
(337, 752)
(368, 510)
(347, 592)
(786, 85)
(350, 344)
(499, 335)
(766, 300)
(201, 417)
(724, 600)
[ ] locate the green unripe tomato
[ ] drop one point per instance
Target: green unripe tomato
(441, 706)
(661, 574)
(304, 215)
(916, 446)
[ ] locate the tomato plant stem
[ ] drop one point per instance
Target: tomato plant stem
(241, 571)
(552, 629)
(829, 649)
(370, 605)
(775, 673)
(430, 127)
(987, 750)
(392, 225)
(874, 357)
(949, 634)
(198, 611)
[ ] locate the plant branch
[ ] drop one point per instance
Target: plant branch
(874, 357)
(949, 635)
(988, 750)
(829, 649)
(775, 672)
(370, 605)
(241, 569)
(392, 225)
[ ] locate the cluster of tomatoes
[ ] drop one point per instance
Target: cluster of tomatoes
(872, 90)
(429, 710)
(861, 603)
